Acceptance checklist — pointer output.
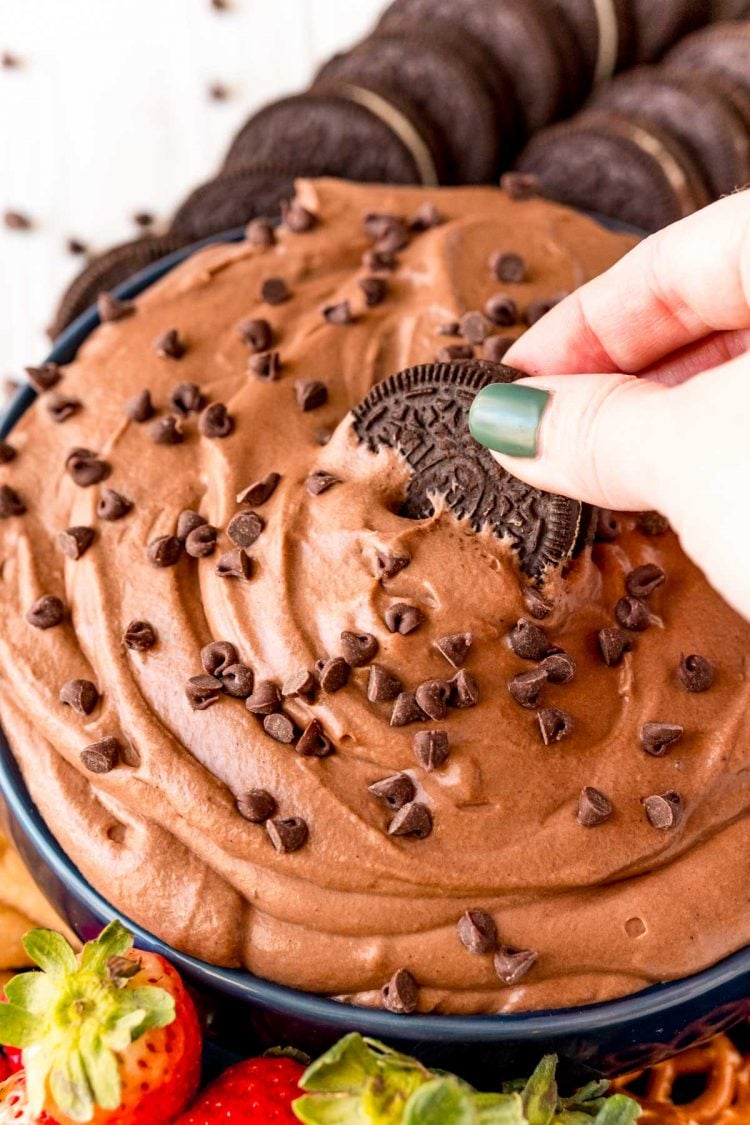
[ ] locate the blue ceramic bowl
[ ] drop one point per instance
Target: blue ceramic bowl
(245, 1012)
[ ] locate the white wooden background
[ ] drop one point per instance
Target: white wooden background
(108, 114)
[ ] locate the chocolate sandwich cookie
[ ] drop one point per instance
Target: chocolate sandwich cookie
(660, 23)
(605, 34)
(423, 412)
(620, 167)
(232, 199)
(723, 49)
(449, 82)
(106, 271)
(689, 109)
(365, 135)
(518, 35)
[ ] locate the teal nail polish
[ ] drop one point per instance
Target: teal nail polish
(506, 416)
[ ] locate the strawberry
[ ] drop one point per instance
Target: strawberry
(14, 1105)
(110, 1036)
(10, 1057)
(249, 1093)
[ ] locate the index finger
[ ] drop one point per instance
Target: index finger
(676, 287)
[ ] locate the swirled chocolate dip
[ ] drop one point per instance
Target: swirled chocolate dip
(286, 722)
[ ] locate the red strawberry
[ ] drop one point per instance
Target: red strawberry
(249, 1093)
(110, 1036)
(14, 1105)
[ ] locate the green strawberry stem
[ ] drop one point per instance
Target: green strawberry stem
(73, 1017)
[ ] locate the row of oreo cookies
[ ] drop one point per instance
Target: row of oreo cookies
(656, 143)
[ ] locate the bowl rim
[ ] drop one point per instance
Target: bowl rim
(491, 1027)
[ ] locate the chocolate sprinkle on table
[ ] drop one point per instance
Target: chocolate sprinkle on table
(257, 806)
(663, 810)
(238, 681)
(413, 819)
(274, 291)
(477, 931)
(554, 724)
(464, 690)
(140, 408)
(288, 834)
(652, 523)
(203, 691)
(111, 308)
(320, 481)
(632, 614)
(314, 742)
(235, 564)
(11, 503)
(61, 407)
(358, 648)
(512, 964)
(102, 756)
(17, 220)
(279, 727)
(245, 528)
(46, 612)
(403, 618)
(612, 644)
(382, 685)
(340, 313)
(265, 699)
(297, 218)
(526, 686)
(310, 394)
(593, 807)
(334, 674)
(507, 267)
(432, 696)
(396, 790)
(76, 246)
(474, 327)
(80, 695)
(401, 993)
(85, 468)
(187, 521)
(260, 232)
(431, 748)
(642, 581)
(266, 365)
(695, 672)
(169, 345)
(300, 683)
(7, 452)
(217, 656)
(139, 636)
(501, 310)
(658, 738)
(374, 290)
(451, 352)
(112, 505)
(559, 666)
(406, 710)
(186, 398)
(164, 551)
(200, 543)
(520, 185)
(45, 377)
(388, 565)
(260, 490)
(256, 333)
(528, 641)
(75, 541)
(218, 91)
(455, 647)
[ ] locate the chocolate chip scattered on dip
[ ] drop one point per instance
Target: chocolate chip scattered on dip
(303, 682)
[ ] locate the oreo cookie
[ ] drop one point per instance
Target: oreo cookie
(660, 23)
(369, 136)
(423, 413)
(723, 50)
(623, 168)
(449, 82)
(232, 199)
(605, 33)
(693, 112)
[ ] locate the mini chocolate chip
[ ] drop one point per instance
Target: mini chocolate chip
(520, 185)
(529, 641)
(274, 291)
(401, 993)
(203, 691)
(512, 964)
(259, 491)
(245, 528)
(217, 656)
(396, 790)
(260, 232)
(46, 612)
(257, 806)
(164, 551)
(334, 674)
(652, 523)
(139, 636)
(200, 543)
(111, 308)
(560, 667)
(102, 756)
(658, 738)
(296, 217)
(431, 748)
(382, 686)
(45, 377)
(187, 521)
(379, 260)
(413, 819)
(633, 614)
(537, 606)
(474, 327)
(495, 348)
(85, 468)
(607, 527)
(186, 398)
(216, 421)
(61, 407)
(554, 724)
(432, 696)
(112, 505)
(320, 481)
(75, 541)
(426, 217)
(358, 648)
(266, 365)
(288, 834)
(501, 310)
(526, 686)
(238, 681)
(451, 352)
(314, 742)
(382, 227)
(388, 565)
(167, 430)
(7, 452)
(464, 690)
(80, 695)
(449, 328)
(279, 727)
(256, 333)
(642, 581)
(322, 435)
(612, 644)
(310, 394)
(455, 647)
(593, 807)
(477, 931)
(537, 309)
(301, 683)
(695, 672)
(663, 810)
(374, 290)
(265, 699)
(507, 266)
(139, 408)
(169, 345)
(235, 564)
(406, 710)
(340, 313)
(11, 503)
(403, 618)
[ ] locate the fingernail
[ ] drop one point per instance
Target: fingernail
(506, 416)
